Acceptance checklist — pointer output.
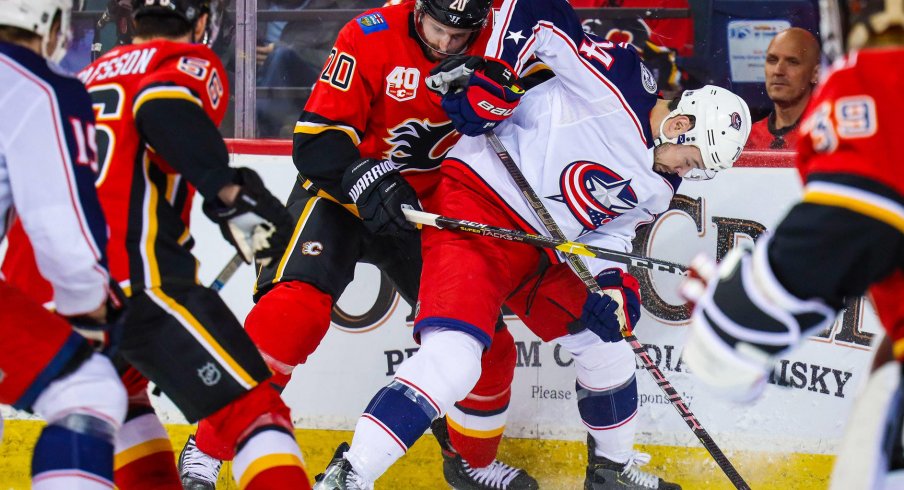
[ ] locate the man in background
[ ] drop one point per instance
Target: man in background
(792, 71)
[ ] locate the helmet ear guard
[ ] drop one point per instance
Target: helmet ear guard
(720, 130)
(37, 16)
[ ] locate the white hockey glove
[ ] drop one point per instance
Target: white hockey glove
(257, 224)
(742, 320)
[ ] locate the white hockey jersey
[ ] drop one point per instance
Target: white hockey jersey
(582, 139)
(47, 171)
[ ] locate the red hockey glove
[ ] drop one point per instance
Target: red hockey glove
(616, 310)
(488, 97)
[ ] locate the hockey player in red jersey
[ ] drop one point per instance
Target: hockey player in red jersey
(606, 154)
(845, 238)
(47, 171)
(148, 98)
(370, 114)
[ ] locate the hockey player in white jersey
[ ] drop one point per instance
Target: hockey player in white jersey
(605, 155)
(48, 165)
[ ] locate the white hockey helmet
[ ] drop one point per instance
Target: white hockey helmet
(37, 16)
(721, 127)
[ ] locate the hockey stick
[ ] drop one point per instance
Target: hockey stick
(227, 272)
(581, 270)
(564, 246)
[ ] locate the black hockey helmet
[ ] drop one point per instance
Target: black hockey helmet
(189, 10)
(850, 24)
(463, 14)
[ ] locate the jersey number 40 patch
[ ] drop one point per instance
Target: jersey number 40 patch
(402, 82)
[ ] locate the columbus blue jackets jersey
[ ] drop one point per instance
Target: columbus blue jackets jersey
(582, 139)
(47, 169)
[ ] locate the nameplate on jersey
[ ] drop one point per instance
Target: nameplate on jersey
(371, 23)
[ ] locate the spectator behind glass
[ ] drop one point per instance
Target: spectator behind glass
(792, 71)
(291, 54)
(660, 41)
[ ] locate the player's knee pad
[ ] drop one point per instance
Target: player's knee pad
(89, 400)
(606, 387)
(288, 323)
(446, 366)
(257, 409)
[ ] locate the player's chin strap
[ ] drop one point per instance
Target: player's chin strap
(695, 174)
(581, 270)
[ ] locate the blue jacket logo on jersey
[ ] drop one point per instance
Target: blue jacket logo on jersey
(594, 193)
(372, 23)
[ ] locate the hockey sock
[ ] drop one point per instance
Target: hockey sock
(609, 414)
(477, 422)
(269, 459)
(393, 420)
(65, 459)
(144, 455)
(211, 444)
(445, 368)
(297, 335)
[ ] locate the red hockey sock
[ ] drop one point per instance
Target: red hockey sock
(270, 459)
(288, 323)
(477, 422)
(144, 454)
(211, 444)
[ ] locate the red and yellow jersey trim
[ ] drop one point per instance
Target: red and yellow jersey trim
(857, 200)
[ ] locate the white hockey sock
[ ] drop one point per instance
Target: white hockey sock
(373, 450)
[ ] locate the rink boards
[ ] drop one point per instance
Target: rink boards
(785, 439)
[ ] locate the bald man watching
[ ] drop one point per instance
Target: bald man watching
(792, 70)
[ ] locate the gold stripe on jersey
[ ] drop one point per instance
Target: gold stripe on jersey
(314, 128)
(299, 225)
(204, 338)
(164, 92)
(149, 226)
(172, 185)
(309, 186)
(857, 200)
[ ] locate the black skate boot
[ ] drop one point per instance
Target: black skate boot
(197, 470)
(461, 476)
(340, 475)
(605, 474)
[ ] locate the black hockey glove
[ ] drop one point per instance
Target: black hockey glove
(379, 191)
(106, 335)
(257, 224)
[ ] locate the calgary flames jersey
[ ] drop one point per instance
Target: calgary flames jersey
(147, 203)
(372, 90)
(853, 120)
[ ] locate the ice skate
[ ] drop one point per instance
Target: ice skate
(197, 470)
(605, 474)
(497, 476)
(340, 475)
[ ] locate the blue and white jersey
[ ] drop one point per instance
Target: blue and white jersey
(48, 165)
(582, 139)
